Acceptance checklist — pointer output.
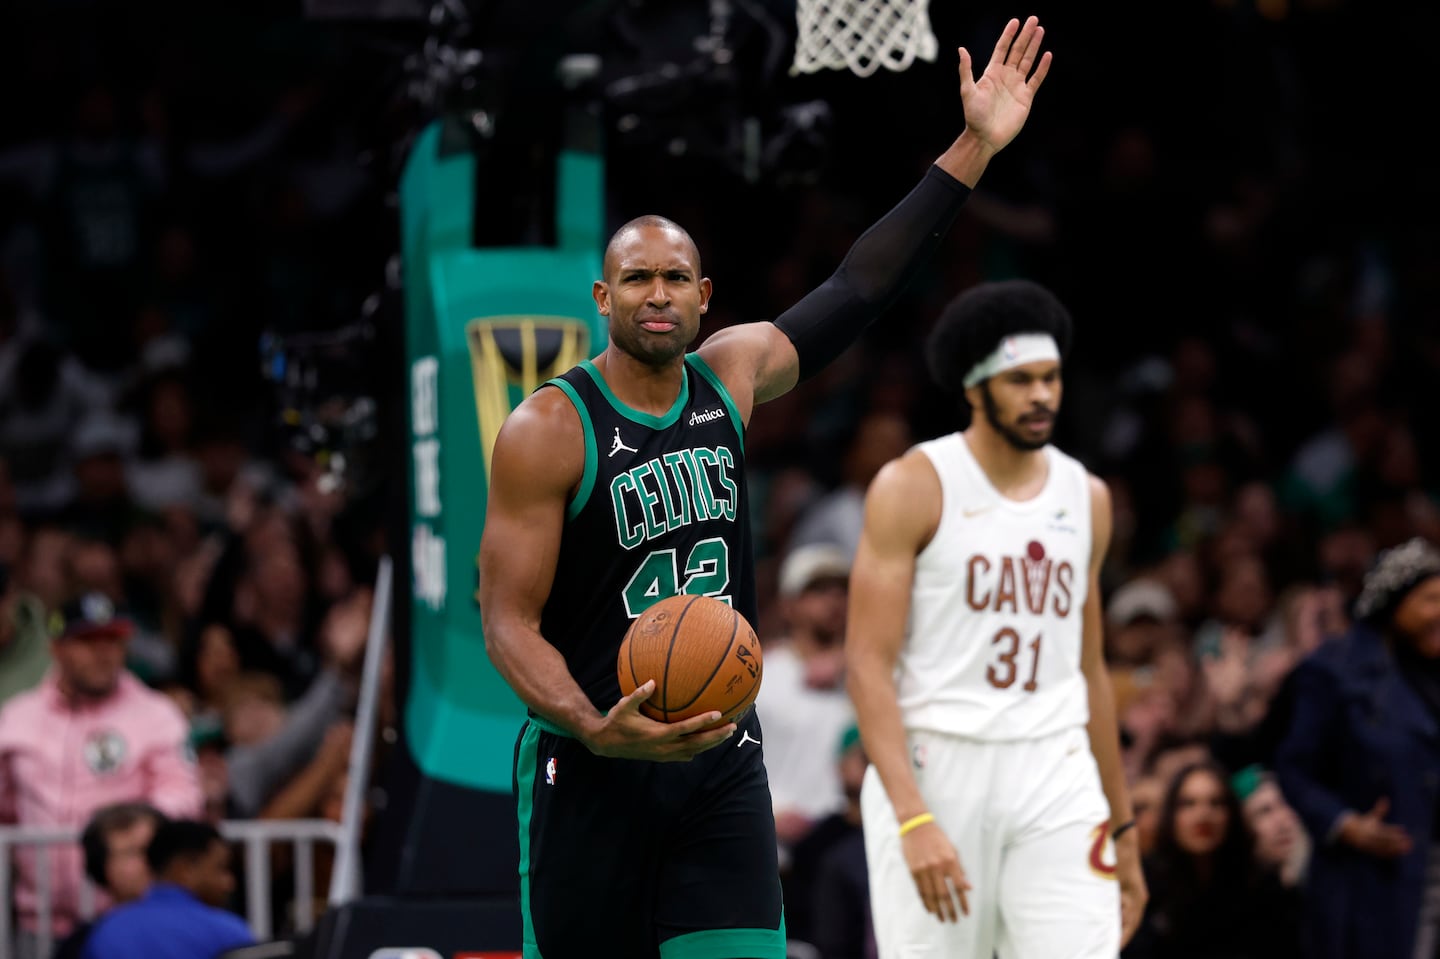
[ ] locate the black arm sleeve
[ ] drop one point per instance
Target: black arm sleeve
(877, 269)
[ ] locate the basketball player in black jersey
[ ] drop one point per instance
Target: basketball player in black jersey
(623, 482)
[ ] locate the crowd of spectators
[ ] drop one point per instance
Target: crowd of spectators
(1257, 327)
(184, 592)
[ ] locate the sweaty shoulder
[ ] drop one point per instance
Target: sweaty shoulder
(543, 437)
(1101, 519)
(1099, 492)
(756, 362)
(905, 498)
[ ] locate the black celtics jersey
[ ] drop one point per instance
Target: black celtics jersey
(661, 510)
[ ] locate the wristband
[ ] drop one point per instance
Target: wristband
(1119, 830)
(915, 822)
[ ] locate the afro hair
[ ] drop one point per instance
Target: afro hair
(974, 323)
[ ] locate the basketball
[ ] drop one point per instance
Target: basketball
(702, 654)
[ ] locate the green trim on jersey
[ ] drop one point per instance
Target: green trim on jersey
(592, 456)
(525, 807)
(634, 415)
(726, 944)
(703, 368)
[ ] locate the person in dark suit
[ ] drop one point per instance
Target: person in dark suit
(1361, 765)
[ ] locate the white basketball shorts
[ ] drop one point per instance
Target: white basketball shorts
(1030, 822)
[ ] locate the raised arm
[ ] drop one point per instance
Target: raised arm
(902, 511)
(766, 360)
(1103, 728)
(537, 464)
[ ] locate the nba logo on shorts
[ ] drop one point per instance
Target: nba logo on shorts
(550, 771)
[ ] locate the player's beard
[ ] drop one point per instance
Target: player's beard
(651, 349)
(1012, 436)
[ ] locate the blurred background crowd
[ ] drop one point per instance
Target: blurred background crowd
(1247, 245)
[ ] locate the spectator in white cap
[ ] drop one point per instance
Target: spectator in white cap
(802, 702)
(1139, 618)
(1142, 643)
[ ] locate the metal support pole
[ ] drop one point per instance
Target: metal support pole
(345, 882)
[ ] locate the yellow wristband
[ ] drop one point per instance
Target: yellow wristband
(915, 822)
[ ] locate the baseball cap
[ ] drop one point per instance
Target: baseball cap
(1141, 598)
(91, 615)
(807, 565)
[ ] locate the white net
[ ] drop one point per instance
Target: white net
(861, 35)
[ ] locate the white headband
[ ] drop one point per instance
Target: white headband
(1014, 351)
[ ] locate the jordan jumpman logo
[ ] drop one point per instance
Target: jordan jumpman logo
(619, 444)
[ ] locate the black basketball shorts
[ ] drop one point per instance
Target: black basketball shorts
(643, 860)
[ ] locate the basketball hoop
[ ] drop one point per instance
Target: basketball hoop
(861, 35)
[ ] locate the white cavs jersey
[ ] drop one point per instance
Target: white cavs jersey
(992, 646)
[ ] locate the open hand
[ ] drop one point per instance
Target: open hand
(627, 733)
(935, 867)
(1371, 834)
(345, 630)
(997, 104)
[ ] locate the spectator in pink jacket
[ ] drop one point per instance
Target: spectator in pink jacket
(88, 735)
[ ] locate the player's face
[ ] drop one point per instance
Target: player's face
(1021, 404)
(1418, 618)
(1201, 816)
(653, 294)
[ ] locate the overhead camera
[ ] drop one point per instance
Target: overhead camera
(680, 80)
(698, 81)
